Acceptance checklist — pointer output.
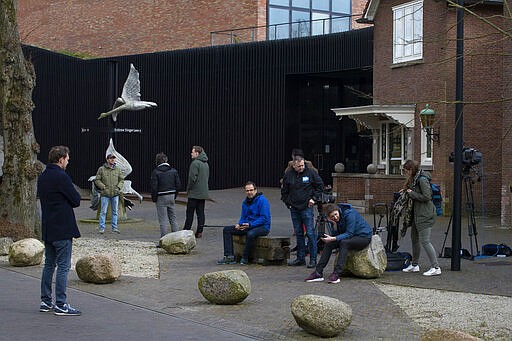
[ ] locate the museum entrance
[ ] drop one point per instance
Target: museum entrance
(312, 126)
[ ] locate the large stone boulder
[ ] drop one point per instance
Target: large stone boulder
(180, 242)
(448, 335)
(321, 315)
(370, 262)
(98, 269)
(225, 287)
(26, 252)
(5, 244)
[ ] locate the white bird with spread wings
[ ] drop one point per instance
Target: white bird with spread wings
(130, 98)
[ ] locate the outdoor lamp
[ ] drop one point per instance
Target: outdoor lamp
(427, 117)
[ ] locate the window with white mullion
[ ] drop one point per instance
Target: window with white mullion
(408, 32)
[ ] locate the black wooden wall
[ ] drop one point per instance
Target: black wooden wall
(229, 99)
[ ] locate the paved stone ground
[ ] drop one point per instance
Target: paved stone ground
(265, 314)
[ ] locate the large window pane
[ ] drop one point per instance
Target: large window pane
(300, 3)
(279, 2)
(340, 24)
(320, 26)
(321, 5)
(342, 6)
(279, 27)
(301, 24)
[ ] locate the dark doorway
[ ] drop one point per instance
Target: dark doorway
(312, 126)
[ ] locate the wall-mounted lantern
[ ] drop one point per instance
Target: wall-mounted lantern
(427, 117)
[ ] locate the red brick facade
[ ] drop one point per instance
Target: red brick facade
(121, 27)
(103, 28)
(486, 117)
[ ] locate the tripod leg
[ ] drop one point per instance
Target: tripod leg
(445, 236)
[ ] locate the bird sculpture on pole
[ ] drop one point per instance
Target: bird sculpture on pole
(130, 98)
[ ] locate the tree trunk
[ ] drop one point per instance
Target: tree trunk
(20, 166)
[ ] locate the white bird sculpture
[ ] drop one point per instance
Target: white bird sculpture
(130, 98)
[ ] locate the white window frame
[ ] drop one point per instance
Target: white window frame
(408, 32)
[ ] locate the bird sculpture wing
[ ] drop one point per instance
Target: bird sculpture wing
(121, 162)
(130, 98)
(131, 88)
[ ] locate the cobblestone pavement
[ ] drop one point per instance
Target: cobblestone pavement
(265, 314)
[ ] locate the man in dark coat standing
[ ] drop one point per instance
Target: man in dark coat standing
(301, 190)
(58, 198)
(165, 183)
(197, 189)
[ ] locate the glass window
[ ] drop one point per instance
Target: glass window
(320, 26)
(342, 6)
(334, 16)
(279, 2)
(279, 27)
(340, 24)
(321, 4)
(408, 32)
(300, 3)
(300, 24)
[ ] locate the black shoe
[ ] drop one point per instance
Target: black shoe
(297, 262)
(312, 264)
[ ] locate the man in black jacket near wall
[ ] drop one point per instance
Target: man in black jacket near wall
(165, 183)
(300, 190)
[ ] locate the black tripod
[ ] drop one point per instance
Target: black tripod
(470, 213)
(321, 226)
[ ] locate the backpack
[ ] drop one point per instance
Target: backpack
(495, 250)
(437, 198)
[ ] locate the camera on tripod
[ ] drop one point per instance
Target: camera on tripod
(326, 197)
(470, 157)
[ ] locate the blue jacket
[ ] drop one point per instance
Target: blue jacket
(256, 212)
(351, 224)
(58, 198)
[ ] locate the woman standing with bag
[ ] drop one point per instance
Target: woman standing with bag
(419, 191)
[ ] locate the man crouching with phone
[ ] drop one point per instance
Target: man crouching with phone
(352, 232)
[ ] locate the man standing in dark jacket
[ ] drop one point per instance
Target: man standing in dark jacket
(300, 190)
(58, 198)
(197, 189)
(165, 183)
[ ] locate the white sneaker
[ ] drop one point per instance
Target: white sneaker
(433, 272)
(412, 268)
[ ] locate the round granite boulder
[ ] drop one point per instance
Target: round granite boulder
(98, 269)
(26, 252)
(321, 315)
(225, 287)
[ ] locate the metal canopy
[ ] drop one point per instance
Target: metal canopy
(372, 115)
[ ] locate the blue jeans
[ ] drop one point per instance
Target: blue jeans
(250, 238)
(306, 217)
(114, 203)
(57, 253)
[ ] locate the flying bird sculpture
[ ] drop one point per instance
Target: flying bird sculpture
(130, 98)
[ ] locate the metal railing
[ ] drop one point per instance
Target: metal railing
(295, 29)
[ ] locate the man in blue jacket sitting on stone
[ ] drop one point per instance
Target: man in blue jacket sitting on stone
(254, 222)
(351, 232)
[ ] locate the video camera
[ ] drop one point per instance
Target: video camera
(470, 156)
(326, 197)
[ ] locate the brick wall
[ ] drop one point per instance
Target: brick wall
(102, 28)
(121, 27)
(373, 188)
(433, 81)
